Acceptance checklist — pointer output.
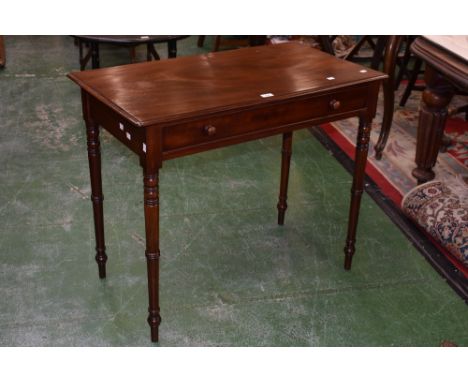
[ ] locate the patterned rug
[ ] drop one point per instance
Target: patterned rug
(393, 172)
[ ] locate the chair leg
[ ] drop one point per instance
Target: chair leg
(411, 82)
(404, 64)
(391, 53)
(378, 52)
(356, 48)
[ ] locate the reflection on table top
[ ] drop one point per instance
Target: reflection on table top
(455, 44)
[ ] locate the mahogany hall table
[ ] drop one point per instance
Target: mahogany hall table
(163, 110)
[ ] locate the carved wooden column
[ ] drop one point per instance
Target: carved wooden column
(151, 199)
(97, 198)
(432, 118)
(286, 153)
(362, 148)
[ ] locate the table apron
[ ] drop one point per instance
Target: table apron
(265, 116)
(256, 134)
(130, 135)
(188, 138)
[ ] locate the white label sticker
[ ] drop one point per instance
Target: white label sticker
(330, 78)
(121, 126)
(144, 147)
(363, 71)
(266, 95)
(129, 137)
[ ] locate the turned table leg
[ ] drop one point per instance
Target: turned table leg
(151, 200)
(94, 158)
(286, 153)
(432, 117)
(362, 148)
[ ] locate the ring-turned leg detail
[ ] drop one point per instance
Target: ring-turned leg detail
(285, 164)
(94, 158)
(362, 148)
(151, 198)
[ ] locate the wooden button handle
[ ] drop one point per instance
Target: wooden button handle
(334, 104)
(210, 130)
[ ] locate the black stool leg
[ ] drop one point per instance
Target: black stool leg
(404, 64)
(95, 55)
(411, 82)
(172, 49)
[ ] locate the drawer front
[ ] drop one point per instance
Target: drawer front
(235, 124)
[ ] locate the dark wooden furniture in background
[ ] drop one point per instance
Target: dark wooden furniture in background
(172, 108)
(393, 44)
(131, 42)
(414, 74)
(446, 59)
(384, 50)
(233, 41)
(2, 52)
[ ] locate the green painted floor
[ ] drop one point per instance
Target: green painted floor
(229, 274)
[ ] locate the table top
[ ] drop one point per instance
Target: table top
(129, 39)
(159, 92)
(445, 54)
(457, 45)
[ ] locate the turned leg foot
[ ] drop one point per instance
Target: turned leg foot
(151, 201)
